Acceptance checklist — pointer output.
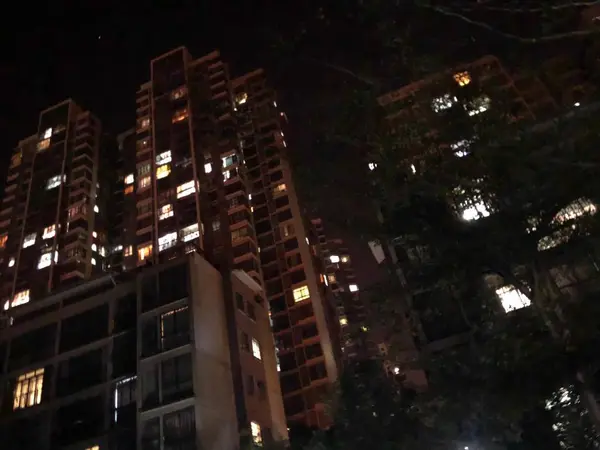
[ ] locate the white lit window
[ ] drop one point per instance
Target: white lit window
(96, 209)
(11, 262)
(127, 251)
(28, 390)
(256, 349)
(442, 103)
(462, 78)
(189, 233)
(93, 261)
(29, 240)
(46, 259)
(279, 188)
(94, 234)
(185, 189)
(226, 175)
(167, 241)
(460, 148)
(208, 167)
(511, 298)
(144, 252)
(163, 158)
(372, 166)
(163, 171)
(343, 321)
(478, 105)
(144, 182)
(334, 259)
(102, 251)
(256, 433)
(94, 247)
(20, 298)
(47, 133)
(165, 212)
(53, 182)
(129, 179)
(229, 160)
(301, 293)
(353, 288)
(578, 208)
(49, 232)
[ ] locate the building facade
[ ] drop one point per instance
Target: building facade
(208, 172)
(52, 224)
(140, 361)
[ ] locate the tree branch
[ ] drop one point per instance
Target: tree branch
(518, 10)
(345, 71)
(514, 37)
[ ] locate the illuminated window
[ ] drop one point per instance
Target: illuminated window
(301, 293)
(334, 259)
(179, 93)
(185, 189)
(216, 225)
(165, 212)
(353, 287)
(167, 241)
(144, 252)
(129, 179)
(11, 262)
(3, 239)
(372, 166)
(95, 447)
(478, 105)
(49, 232)
(46, 259)
(238, 234)
(128, 251)
(462, 78)
(227, 175)
(53, 182)
(94, 247)
(128, 190)
(93, 261)
(144, 123)
(144, 169)
(241, 98)
(208, 167)
(163, 171)
(331, 278)
(94, 234)
(76, 210)
(189, 233)
(287, 230)
(180, 115)
(144, 182)
(15, 160)
(29, 240)
(229, 160)
(442, 103)
(47, 133)
(163, 158)
(20, 298)
(96, 209)
(256, 349)
(345, 258)
(460, 148)
(28, 391)
(343, 321)
(279, 188)
(578, 208)
(511, 298)
(43, 144)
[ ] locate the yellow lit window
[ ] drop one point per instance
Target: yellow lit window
(180, 115)
(15, 160)
(163, 171)
(128, 190)
(331, 278)
(279, 188)
(144, 182)
(144, 252)
(343, 321)
(256, 433)
(95, 447)
(345, 258)
(129, 179)
(144, 123)
(3, 239)
(165, 212)
(301, 293)
(462, 78)
(43, 144)
(28, 391)
(128, 251)
(179, 93)
(241, 98)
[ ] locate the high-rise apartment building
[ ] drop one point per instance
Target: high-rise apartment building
(207, 171)
(52, 226)
(140, 360)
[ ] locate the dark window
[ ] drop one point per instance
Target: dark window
(84, 328)
(239, 302)
(179, 429)
(177, 382)
(244, 342)
(151, 434)
(262, 390)
(251, 312)
(250, 385)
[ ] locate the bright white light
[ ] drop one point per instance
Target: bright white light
(53, 182)
(396, 370)
(96, 209)
(94, 247)
(577, 104)
(475, 211)
(93, 261)
(413, 168)
(11, 262)
(444, 102)
(29, 240)
(129, 179)
(94, 234)
(372, 166)
(163, 158)
(353, 287)
(334, 259)
(47, 133)
(511, 298)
